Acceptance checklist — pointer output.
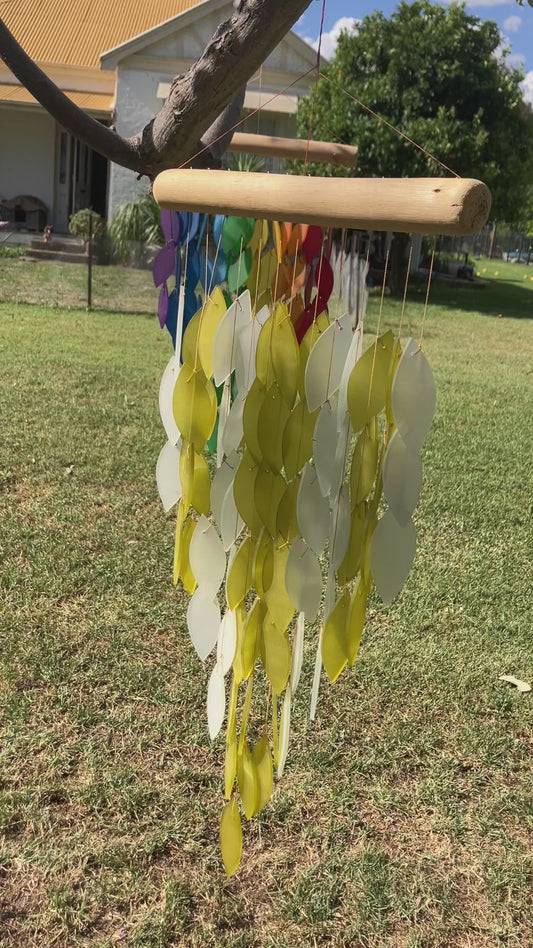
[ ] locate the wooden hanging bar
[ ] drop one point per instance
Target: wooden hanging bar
(331, 153)
(455, 206)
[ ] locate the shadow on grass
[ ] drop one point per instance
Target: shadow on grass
(500, 297)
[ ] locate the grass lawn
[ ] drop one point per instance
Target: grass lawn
(403, 819)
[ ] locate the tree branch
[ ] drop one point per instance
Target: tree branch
(196, 100)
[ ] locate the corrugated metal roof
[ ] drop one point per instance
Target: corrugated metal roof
(77, 32)
(90, 101)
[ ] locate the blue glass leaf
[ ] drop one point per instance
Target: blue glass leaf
(191, 306)
(184, 218)
(178, 266)
(163, 264)
(172, 316)
(162, 306)
(219, 270)
(194, 224)
(193, 268)
(218, 224)
(206, 279)
(201, 231)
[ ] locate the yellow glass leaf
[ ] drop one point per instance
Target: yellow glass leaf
(285, 355)
(259, 237)
(273, 417)
(210, 316)
(231, 837)
(230, 767)
(245, 717)
(317, 327)
(186, 472)
(238, 663)
(297, 442)
(243, 492)
(280, 608)
(263, 356)
(240, 574)
(261, 276)
(247, 778)
(395, 358)
(189, 347)
(276, 655)
(356, 621)
(262, 759)
(178, 540)
(287, 520)
(264, 563)
(268, 491)
(276, 237)
(194, 406)
(334, 646)
(353, 557)
(186, 573)
(232, 709)
(367, 386)
(250, 418)
(364, 463)
(252, 638)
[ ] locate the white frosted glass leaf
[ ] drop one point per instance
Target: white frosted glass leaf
(312, 510)
(207, 557)
(326, 361)
(203, 621)
(342, 452)
(166, 396)
(303, 578)
(167, 474)
(221, 481)
(216, 701)
(297, 651)
(233, 430)
(231, 523)
(227, 640)
(413, 396)
(354, 353)
(223, 412)
(339, 533)
(284, 732)
(328, 462)
(225, 344)
(247, 347)
(402, 478)
(392, 551)
(316, 677)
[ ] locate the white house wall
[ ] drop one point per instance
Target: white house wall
(27, 153)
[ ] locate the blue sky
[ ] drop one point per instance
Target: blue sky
(515, 22)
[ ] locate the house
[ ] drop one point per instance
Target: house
(116, 62)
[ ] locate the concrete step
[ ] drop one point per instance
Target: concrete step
(60, 256)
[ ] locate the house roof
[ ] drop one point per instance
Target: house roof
(89, 101)
(76, 32)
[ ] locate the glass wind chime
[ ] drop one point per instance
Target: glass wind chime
(307, 502)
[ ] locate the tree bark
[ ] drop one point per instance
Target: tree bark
(196, 100)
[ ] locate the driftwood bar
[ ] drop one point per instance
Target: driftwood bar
(456, 206)
(331, 153)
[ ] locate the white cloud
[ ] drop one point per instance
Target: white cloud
(505, 54)
(512, 24)
(527, 87)
(330, 40)
(515, 60)
(484, 3)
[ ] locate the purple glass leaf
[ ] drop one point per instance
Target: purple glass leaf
(166, 224)
(162, 306)
(164, 264)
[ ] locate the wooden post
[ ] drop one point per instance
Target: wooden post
(409, 205)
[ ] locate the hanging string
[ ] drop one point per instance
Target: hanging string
(430, 277)
(315, 87)
(389, 125)
(407, 275)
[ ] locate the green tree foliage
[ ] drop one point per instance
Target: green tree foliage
(434, 73)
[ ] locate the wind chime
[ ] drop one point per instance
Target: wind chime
(315, 437)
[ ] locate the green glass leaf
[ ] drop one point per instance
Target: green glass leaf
(276, 655)
(196, 480)
(368, 383)
(334, 646)
(268, 492)
(210, 316)
(243, 492)
(250, 418)
(287, 520)
(230, 767)
(195, 406)
(297, 443)
(319, 326)
(285, 355)
(231, 837)
(264, 563)
(247, 779)
(356, 621)
(262, 759)
(186, 573)
(189, 348)
(240, 573)
(364, 463)
(273, 417)
(237, 233)
(284, 732)
(239, 271)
